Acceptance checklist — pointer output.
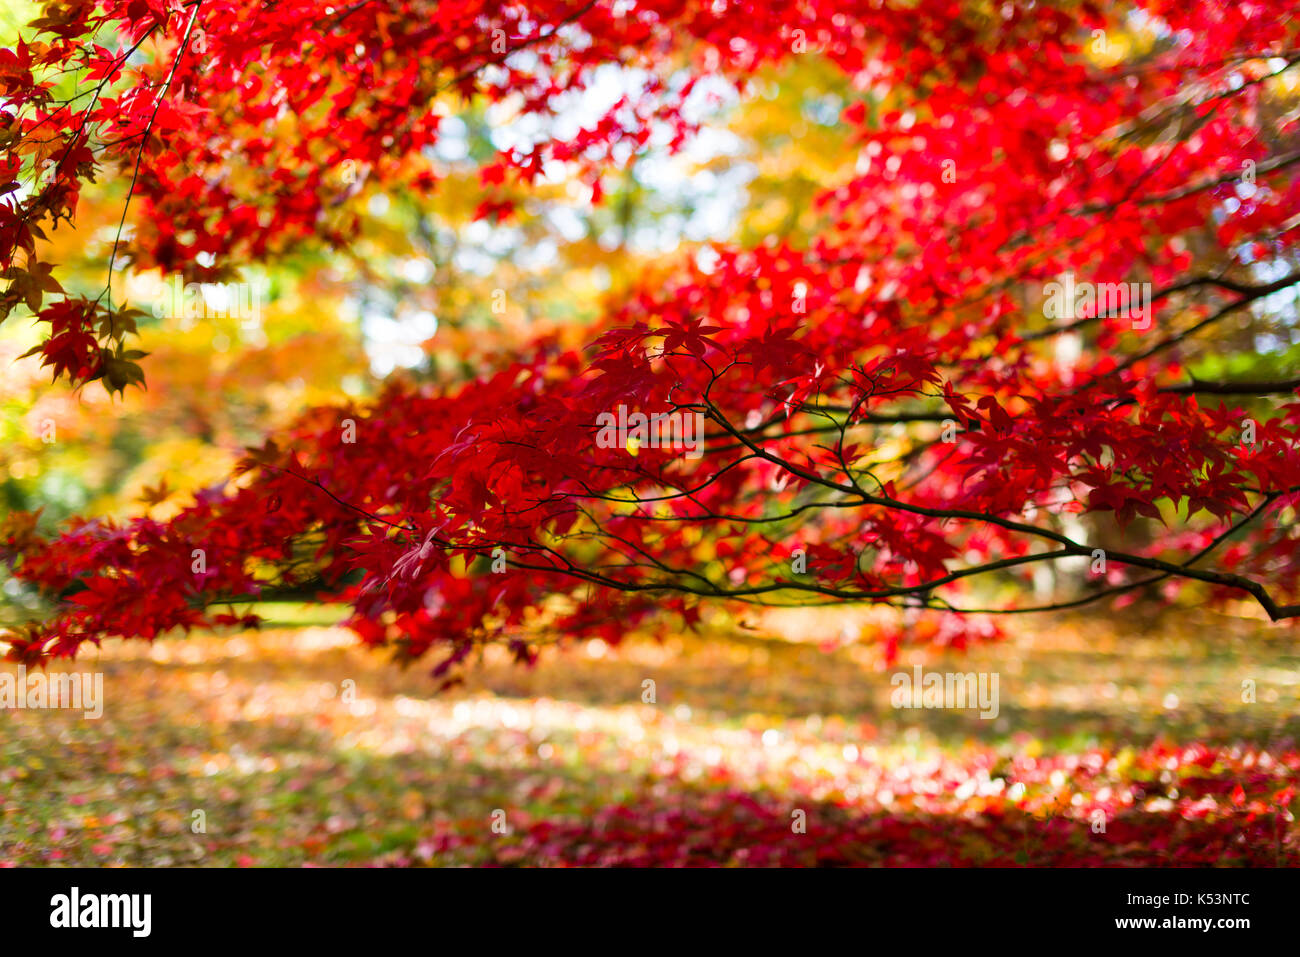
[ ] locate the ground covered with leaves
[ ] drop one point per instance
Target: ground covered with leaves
(293, 746)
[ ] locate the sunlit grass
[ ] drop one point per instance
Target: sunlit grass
(297, 745)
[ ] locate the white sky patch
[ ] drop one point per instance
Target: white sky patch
(453, 140)
(1283, 306)
(391, 343)
(693, 204)
(417, 269)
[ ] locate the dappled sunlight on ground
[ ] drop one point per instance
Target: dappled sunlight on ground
(295, 746)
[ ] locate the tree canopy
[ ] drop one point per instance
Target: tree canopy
(1043, 316)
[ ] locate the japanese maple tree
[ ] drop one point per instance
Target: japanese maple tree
(984, 361)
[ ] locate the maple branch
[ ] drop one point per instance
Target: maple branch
(1222, 282)
(144, 142)
(1259, 292)
(1240, 387)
